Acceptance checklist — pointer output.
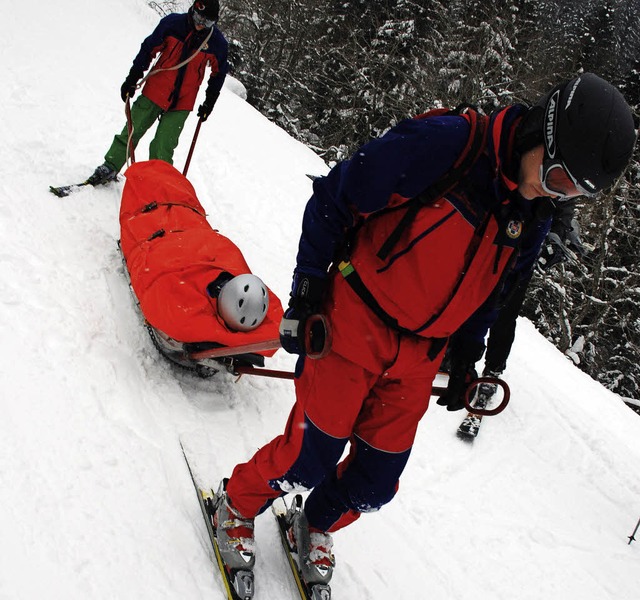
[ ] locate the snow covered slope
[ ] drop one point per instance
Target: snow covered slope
(95, 499)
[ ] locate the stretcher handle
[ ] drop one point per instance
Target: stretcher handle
(486, 412)
(318, 336)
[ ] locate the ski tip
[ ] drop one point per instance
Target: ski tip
(465, 437)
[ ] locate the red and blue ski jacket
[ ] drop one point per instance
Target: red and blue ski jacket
(470, 338)
(457, 250)
(176, 40)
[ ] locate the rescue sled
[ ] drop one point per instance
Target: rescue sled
(173, 259)
(204, 358)
(208, 358)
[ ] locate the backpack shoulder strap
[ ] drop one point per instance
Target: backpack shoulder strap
(471, 152)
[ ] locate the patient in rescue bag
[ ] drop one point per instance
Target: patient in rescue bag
(192, 283)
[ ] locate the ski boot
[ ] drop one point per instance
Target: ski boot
(102, 175)
(236, 544)
(311, 549)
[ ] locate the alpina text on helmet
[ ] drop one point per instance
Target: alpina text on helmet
(550, 125)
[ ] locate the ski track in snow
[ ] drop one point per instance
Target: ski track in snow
(96, 499)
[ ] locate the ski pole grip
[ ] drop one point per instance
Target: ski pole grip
(317, 336)
(487, 412)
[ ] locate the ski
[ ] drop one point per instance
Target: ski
(318, 591)
(238, 584)
(487, 387)
(470, 426)
(66, 190)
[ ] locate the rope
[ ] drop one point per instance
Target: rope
(154, 71)
(127, 110)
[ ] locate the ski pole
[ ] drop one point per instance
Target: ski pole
(632, 537)
(127, 110)
(193, 145)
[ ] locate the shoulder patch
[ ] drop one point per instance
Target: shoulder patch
(514, 229)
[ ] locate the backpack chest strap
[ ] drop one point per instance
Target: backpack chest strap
(354, 280)
(470, 154)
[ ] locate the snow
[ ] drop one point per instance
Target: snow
(96, 501)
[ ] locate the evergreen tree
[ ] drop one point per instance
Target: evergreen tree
(590, 309)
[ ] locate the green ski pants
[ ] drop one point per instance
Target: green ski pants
(143, 114)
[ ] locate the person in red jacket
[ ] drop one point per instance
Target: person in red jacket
(186, 44)
(400, 245)
(192, 283)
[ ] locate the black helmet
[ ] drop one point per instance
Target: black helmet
(209, 9)
(589, 127)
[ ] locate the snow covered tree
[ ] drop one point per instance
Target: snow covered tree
(590, 308)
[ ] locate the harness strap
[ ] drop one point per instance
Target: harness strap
(154, 205)
(472, 150)
(156, 234)
(351, 276)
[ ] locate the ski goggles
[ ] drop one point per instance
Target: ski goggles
(199, 18)
(556, 180)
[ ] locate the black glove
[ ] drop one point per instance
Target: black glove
(574, 241)
(305, 302)
(128, 88)
(461, 375)
(207, 106)
(552, 252)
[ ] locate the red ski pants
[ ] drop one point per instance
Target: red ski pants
(338, 400)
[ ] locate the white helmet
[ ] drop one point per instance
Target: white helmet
(243, 302)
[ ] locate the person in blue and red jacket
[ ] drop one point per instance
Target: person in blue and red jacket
(397, 262)
(187, 44)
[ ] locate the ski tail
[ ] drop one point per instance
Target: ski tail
(469, 428)
(65, 190)
(238, 584)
